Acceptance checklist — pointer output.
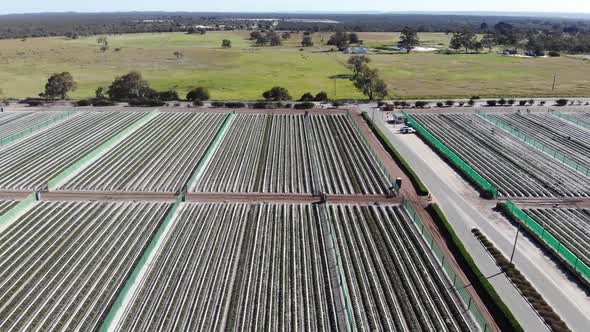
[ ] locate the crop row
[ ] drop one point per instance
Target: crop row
(6, 205)
(160, 156)
(15, 122)
(391, 280)
(260, 153)
(515, 168)
(555, 133)
(31, 162)
(62, 263)
(292, 154)
(270, 267)
(571, 227)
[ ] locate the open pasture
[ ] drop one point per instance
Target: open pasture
(515, 168)
(244, 71)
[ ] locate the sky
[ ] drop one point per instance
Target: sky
(36, 6)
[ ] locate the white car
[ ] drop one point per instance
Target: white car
(407, 130)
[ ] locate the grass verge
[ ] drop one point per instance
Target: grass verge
(397, 157)
(501, 313)
(527, 290)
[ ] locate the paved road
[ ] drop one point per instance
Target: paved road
(564, 296)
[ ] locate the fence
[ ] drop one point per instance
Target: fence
(466, 169)
(209, 151)
(34, 128)
(23, 205)
(468, 301)
(341, 278)
(550, 240)
(538, 144)
(392, 183)
(570, 118)
(55, 181)
(118, 304)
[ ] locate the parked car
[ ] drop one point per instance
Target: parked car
(407, 130)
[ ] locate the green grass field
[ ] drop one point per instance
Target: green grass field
(244, 71)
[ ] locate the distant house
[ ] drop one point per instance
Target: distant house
(356, 50)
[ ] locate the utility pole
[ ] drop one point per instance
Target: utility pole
(553, 88)
(515, 240)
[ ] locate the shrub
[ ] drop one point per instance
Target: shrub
(321, 96)
(277, 93)
(475, 97)
(337, 104)
(235, 105)
(304, 106)
(511, 101)
(169, 95)
(198, 103)
(217, 104)
(471, 102)
(502, 101)
(491, 103)
(542, 103)
(561, 102)
(449, 103)
(146, 102)
(421, 104)
(306, 97)
(102, 102)
(83, 103)
(461, 103)
(439, 104)
(553, 54)
(522, 102)
(199, 93)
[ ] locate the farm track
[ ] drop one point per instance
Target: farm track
(555, 133)
(571, 227)
(15, 122)
(158, 157)
(513, 167)
(27, 165)
(62, 263)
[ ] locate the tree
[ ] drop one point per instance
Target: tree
(254, 35)
(103, 42)
(465, 38)
(368, 82)
(456, 42)
(306, 97)
(477, 46)
(58, 86)
(99, 93)
(286, 35)
(408, 39)
(198, 94)
(128, 86)
(226, 43)
(275, 39)
(339, 39)
(357, 62)
(277, 93)
(353, 38)
(484, 27)
(261, 40)
(321, 96)
(489, 41)
(307, 41)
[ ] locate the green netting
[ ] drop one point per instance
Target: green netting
(22, 206)
(470, 172)
(550, 240)
(34, 128)
(572, 119)
(447, 268)
(55, 181)
(118, 304)
(392, 183)
(341, 278)
(210, 150)
(538, 144)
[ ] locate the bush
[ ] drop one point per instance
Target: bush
(439, 104)
(397, 157)
(461, 103)
(542, 103)
(321, 96)
(217, 104)
(83, 103)
(449, 103)
(421, 104)
(561, 102)
(511, 101)
(471, 102)
(337, 104)
(491, 103)
(169, 95)
(260, 105)
(235, 105)
(502, 101)
(199, 93)
(277, 93)
(306, 97)
(522, 102)
(553, 54)
(102, 102)
(198, 103)
(304, 106)
(475, 97)
(502, 315)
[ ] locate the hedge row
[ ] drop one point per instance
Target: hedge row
(537, 301)
(501, 313)
(399, 159)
